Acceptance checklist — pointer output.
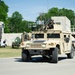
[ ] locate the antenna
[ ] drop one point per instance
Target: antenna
(47, 8)
(47, 5)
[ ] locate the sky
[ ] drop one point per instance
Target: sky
(30, 9)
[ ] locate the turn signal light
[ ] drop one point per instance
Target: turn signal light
(51, 44)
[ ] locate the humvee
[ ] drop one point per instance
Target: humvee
(50, 42)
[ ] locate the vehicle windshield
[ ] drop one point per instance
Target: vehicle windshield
(26, 37)
(39, 35)
(54, 35)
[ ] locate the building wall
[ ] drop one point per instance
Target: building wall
(9, 37)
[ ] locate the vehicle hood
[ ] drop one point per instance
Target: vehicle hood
(45, 41)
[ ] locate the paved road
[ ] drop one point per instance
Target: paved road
(37, 66)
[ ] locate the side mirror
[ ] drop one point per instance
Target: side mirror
(66, 40)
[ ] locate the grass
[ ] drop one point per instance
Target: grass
(9, 52)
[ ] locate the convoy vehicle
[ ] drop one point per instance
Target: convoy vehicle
(50, 42)
(16, 42)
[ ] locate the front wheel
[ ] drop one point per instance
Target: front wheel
(55, 55)
(12, 46)
(25, 55)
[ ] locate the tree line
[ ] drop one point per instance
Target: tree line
(70, 14)
(16, 24)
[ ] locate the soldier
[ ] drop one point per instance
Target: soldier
(50, 25)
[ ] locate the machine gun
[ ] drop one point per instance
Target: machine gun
(49, 24)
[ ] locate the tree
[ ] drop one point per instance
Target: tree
(6, 28)
(3, 14)
(68, 13)
(59, 12)
(3, 11)
(15, 22)
(53, 12)
(25, 26)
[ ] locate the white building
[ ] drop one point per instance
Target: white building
(9, 37)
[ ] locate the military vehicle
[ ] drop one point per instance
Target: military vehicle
(55, 38)
(2, 41)
(16, 42)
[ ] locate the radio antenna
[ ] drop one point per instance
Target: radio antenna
(47, 5)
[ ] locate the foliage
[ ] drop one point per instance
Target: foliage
(58, 12)
(16, 24)
(25, 26)
(3, 11)
(6, 28)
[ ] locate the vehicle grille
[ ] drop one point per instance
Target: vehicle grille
(35, 45)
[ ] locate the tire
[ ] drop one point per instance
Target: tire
(25, 56)
(12, 46)
(71, 54)
(55, 55)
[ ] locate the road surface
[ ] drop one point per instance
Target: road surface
(37, 66)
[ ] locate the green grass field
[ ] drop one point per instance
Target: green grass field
(9, 52)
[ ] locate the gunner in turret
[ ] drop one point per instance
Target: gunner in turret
(51, 23)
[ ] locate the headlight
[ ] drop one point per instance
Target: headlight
(16, 40)
(43, 45)
(28, 45)
(22, 44)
